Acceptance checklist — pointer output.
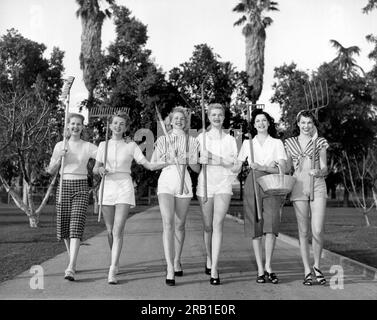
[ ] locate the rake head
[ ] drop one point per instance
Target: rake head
(103, 112)
(316, 96)
(67, 87)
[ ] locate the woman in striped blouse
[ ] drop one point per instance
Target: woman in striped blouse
(177, 148)
(300, 151)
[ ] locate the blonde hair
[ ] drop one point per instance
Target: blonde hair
(120, 114)
(213, 106)
(77, 116)
(186, 114)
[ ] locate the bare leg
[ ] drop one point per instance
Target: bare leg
(108, 216)
(121, 214)
(318, 208)
(257, 246)
(74, 251)
(166, 202)
(181, 209)
(66, 242)
(302, 215)
(207, 215)
(221, 205)
(269, 248)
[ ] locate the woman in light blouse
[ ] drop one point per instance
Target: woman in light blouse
(119, 194)
(71, 212)
(268, 151)
(220, 156)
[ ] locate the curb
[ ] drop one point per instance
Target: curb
(335, 258)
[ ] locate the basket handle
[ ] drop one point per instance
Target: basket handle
(280, 169)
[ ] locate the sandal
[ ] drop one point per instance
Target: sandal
(272, 277)
(261, 279)
(308, 280)
(319, 276)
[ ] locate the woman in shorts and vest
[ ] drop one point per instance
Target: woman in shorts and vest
(71, 212)
(300, 152)
(268, 152)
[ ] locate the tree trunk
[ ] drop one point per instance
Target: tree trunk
(241, 193)
(255, 43)
(95, 205)
(346, 198)
(34, 221)
(24, 192)
(366, 219)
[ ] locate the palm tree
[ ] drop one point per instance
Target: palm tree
(91, 20)
(372, 4)
(255, 24)
(344, 61)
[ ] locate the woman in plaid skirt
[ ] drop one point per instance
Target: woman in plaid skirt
(71, 212)
(118, 193)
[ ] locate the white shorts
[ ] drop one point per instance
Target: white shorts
(169, 182)
(219, 181)
(119, 189)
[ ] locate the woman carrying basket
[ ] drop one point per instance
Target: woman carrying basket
(268, 152)
(220, 156)
(307, 196)
(118, 193)
(177, 148)
(72, 208)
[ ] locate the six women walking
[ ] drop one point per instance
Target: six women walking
(218, 164)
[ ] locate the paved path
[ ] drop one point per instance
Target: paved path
(143, 269)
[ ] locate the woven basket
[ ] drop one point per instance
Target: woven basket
(277, 184)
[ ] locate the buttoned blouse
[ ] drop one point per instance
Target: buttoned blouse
(271, 150)
(120, 155)
(76, 158)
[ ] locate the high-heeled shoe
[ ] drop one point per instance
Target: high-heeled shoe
(111, 278)
(207, 270)
(169, 282)
(179, 273)
(272, 277)
(215, 281)
(69, 275)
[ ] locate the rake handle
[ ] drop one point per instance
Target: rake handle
(204, 166)
(102, 186)
(311, 179)
(256, 189)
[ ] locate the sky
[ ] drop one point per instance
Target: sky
(300, 33)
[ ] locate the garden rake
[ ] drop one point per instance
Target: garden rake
(65, 98)
(316, 98)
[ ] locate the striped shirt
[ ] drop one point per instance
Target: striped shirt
(293, 147)
(178, 147)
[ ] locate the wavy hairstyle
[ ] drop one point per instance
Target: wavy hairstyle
(305, 114)
(186, 114)
(271, 128)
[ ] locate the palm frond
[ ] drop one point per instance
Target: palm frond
(336, 44)
(267, 21)
(240, 8)
(240, 21)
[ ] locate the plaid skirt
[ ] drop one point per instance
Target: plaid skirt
(71, 213)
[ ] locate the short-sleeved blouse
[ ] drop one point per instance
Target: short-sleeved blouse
(120, 155)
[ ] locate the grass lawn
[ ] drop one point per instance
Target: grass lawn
(345, 232)
(21, 246)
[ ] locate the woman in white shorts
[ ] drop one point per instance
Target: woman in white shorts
(173, 205)
(118, 194)
(220, 156)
